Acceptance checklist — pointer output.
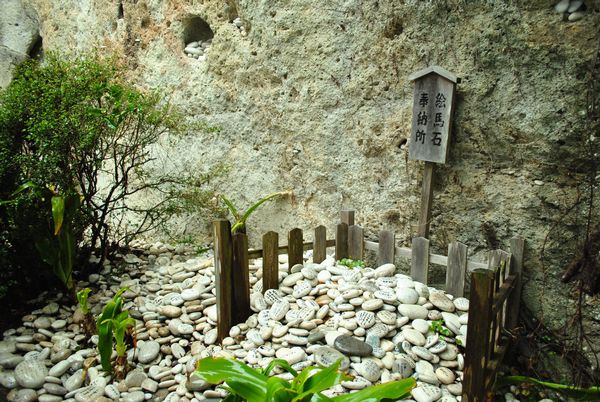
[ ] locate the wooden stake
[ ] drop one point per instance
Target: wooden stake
(240, 276)
(426, 197)
(223, 268)
(320, 244)
(270, 255)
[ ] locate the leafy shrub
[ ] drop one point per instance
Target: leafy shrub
(76, 126)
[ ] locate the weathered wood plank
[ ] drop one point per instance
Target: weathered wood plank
(406, 252)
(387, 247)
(356, 242)
(426, 198)
(457, 269)
(270, 254)
(347, 216)
(517, 248)
(223, 268)
(341, 241)
(320, 244)
(295, 247)
(476, 357)
(503, 293)
(419, 266)
(240, 280)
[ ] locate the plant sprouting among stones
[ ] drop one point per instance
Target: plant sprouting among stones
(88, 324)
(256, 385)
(438, 326)
(350, 263)
(115, 323)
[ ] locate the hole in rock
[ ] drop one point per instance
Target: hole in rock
(197, 37)
(120, 11)
(394, 28)
(37, 49)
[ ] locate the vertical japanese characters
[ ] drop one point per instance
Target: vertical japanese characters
(432, 110)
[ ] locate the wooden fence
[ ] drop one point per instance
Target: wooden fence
(494, 294)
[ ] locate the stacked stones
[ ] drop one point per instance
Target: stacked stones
(378, 322)
(237, 22)
(571, 10)
(198, 49)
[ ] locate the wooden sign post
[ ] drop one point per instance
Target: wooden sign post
(432, 118)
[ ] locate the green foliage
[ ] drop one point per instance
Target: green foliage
(350, 263)
(438, 326)
(56, 243)
(82, 298)
(254, 385)
(113, 324)
(77, 126)
(239, 226)
(585, 394)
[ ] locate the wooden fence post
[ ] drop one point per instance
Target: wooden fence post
(517, 248)
(356, 242)
(347, 216)
(270, 245)
(387, 247)
(476, 358)
(426, 197)
(240, 280)
(341, 241)
(419, 266)
(295, 248)
(223, 268)
(457, 269)
(320, 244)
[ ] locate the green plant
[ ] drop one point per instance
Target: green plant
(587, 394)
(350, 263)
(438, 326)
(55, 241)
(239, 226)
(114, 323)
(77, 123)
(88, 324)
(254, 385)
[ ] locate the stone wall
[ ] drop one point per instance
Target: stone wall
(313, 97)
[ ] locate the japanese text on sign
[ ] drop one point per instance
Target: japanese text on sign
(431, 118)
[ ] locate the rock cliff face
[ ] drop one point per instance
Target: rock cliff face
(314, 97)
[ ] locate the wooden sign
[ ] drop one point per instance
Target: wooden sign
(432, 112)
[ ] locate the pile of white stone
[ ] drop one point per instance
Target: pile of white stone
(237, 22)
(376, 320)
(572, 10)
(198, 49)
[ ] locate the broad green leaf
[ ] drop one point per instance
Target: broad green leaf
(587, 394)
(278, 390)
(281, 363)
(66, 242)
(243, 380)
(47, 249)
(58, 212)
(390, 390)
(231, 208)
(320, 398)
(300, 379)
(324, 379)
(105, 344)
